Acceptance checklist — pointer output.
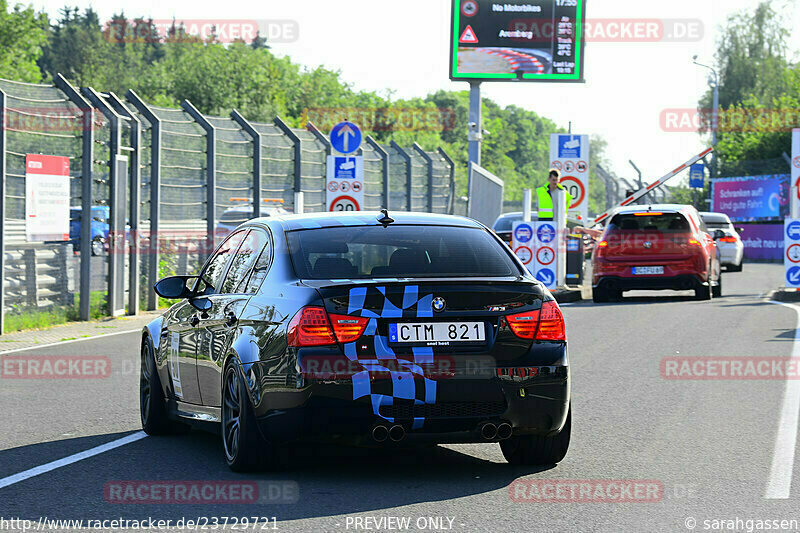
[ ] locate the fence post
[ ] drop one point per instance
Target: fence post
(385, 168)
(429, 160)
(31, 289)
(2, 210)
(310, 126)
(452, 203)
(116, 233)
(87, 161)
(65, 272)
(298, 161)
(409, 174)
(211, 174)
(135, 176)
(155, 193)
(257, 155)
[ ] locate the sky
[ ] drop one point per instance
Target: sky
(403, 47)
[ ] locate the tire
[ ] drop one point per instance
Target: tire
(97, 246)
(152, 405)
(245, 449)
(703, 292)
(716, 291)
(736, 268)
(600, 295)
(531, 450)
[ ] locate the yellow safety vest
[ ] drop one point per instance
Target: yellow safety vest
(546, 201)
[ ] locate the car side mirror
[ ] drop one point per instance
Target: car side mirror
(739, 230)
(718, 234)
(174, 287)
(201, 304)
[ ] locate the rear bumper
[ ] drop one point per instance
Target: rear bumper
(327, 411)
(683, 282)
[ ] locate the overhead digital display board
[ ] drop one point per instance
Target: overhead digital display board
(517, 40)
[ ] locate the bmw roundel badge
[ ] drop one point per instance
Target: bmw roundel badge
(438, 304)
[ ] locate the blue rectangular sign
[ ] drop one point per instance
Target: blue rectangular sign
(697, 176)
(569, 146)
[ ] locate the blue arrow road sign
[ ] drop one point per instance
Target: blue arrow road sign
(793, 276)
(546, 233)
(547, 276)
(346, 137)
(793, 230)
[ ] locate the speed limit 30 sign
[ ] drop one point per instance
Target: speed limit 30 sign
(570, 154)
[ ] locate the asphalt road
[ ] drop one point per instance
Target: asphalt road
(708, 443)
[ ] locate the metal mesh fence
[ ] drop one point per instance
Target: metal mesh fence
(419, 181)
(277, 165)
(313, 171)
(39, 278)
(42, 119)
(373, 178)
(398, 182)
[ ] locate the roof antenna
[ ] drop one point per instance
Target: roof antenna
(385, 219)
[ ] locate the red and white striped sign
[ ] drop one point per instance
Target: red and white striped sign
(638, 194)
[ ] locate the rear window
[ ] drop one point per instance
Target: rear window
(360, 252)
(505, 223)
(663, 222)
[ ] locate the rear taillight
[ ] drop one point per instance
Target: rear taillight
(602, 244)
(551, 323)
(348, 328)
(728, 239)
(693, 241)
(310, 327)
(602, 248)
(545, 324)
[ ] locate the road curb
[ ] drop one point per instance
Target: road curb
(784, 295)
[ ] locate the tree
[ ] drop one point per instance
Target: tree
(23, 33)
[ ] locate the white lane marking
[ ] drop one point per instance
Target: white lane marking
(780, 476)
(66, 461)
(59, 343)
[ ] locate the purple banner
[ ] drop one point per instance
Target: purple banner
(763, 242)
(754, 198)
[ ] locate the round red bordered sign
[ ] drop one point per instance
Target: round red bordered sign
(793, 253)
(525, 255)
(333, 186)
(345, 203)
(796, 162)
(582, 166)
(545, 255)
(469, 8)
(573, 184)
(556, 165)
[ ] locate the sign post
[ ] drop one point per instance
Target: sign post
(345, 183)
(569, 154)
(795, 189)
(791, 256)
(47, 196)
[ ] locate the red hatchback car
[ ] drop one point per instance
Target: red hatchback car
(647, 247)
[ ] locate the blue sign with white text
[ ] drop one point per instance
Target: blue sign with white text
(569, 147)
(346, 137)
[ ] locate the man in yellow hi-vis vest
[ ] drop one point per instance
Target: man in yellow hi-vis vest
(545, 198)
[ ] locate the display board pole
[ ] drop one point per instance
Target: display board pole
(475, 134)
(526, 205)
(560, 220)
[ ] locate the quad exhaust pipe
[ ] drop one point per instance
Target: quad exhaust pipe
(382, 433)
(490, 431)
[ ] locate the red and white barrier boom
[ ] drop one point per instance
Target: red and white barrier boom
(638, 194)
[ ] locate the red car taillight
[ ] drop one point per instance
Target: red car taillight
(348, 328)
(310, 327)
(545, 324)
(728, 239)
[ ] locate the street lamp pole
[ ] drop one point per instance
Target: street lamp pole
(713, 82)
